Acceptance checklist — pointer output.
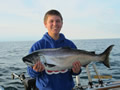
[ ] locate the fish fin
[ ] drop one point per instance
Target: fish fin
(107, 53)
(49, 65)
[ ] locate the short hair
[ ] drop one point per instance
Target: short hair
(52, 12)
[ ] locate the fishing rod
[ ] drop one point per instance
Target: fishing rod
(29, 83)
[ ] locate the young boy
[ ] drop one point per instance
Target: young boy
(53, 80)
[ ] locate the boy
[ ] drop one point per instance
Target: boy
(53, 80)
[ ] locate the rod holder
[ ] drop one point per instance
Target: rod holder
(99, 79)
(89, 77)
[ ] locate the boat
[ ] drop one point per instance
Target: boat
(29, 83)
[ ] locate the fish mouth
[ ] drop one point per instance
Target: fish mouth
(26, 60)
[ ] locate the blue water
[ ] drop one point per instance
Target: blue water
(11, 54)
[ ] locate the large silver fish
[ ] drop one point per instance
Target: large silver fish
(62, 58)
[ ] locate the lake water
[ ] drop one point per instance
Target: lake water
(11, 54)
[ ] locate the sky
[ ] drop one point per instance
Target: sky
(22, 20)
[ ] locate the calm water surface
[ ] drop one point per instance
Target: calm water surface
(11, 54)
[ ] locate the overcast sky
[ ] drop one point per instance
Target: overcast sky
(82, 19)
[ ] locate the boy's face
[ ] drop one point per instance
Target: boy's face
(53, 24)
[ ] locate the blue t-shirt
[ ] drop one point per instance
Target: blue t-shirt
(52, 80)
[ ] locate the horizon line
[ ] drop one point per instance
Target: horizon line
(69, 39)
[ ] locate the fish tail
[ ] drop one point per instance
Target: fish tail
(106, 53)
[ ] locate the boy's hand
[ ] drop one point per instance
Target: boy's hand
(76, 67)
(38, 67)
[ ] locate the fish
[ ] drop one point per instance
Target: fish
(63, 58)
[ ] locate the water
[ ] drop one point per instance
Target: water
(11, 54)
